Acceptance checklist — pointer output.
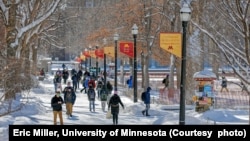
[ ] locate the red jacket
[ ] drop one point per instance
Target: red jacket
(91, 82)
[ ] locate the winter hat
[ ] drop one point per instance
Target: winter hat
(149, 88)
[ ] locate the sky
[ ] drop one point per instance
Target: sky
(37, 111)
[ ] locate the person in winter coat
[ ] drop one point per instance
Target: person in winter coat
(74, 79)
(65, 75)
(69, 98)
(165, 81)
(85, 84)
(91, 97)
(109, 89)
(147, 102)
(103, 97)
(130, 82)
(57, 83)
(99, 88)
(56, 104)
(79, 77)
(224, 84)
(92, 82)
(114, 102)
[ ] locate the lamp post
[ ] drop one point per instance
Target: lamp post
(96, 75)
(104, 71)
(90, 64)
(135, 32)
(86, 60)
(185, 14)
(116, 37)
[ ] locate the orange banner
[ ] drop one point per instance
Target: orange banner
(110, 51)
(92, 53)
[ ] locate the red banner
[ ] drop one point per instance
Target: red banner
(78, 59)
(86, 54)
(127, 48)
(99, 53)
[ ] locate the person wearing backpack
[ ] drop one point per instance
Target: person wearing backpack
(147, 102)
(114, 102)
(92, 82)
(91, 97)
(165, 81)
(69, 98)
(56, 104)
(99, 88)
(103, 98)
(85, 84)
(109, 89)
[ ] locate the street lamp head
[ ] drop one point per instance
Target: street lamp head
(185, 13)
(104, 41)
(134, 29)
(116, 36)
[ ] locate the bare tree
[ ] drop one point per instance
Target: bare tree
(23, 21)
(232, 41)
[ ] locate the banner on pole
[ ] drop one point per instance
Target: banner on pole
(171, 42)
(127, 48)
(110, 51)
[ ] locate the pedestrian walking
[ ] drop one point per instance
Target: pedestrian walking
(85, 84)
(114, 103)
(91, 97)
(69, 98)
(224, 84)
(103, 97)
(244, 88)
(65, 75)
(63, 66)
(57, 83)
(165, 81)
(74, 79)
(109, 89)
(99, 88)
(56, 104)
(147, 102)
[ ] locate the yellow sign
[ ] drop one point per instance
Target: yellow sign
(92, 53)
(171, 42)
(110, 51)
(82, 57)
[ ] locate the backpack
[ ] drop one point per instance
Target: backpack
(114, 101)
(103, 97)
(99, 85)
(91, 83)
(91, 93)
(128, 81)
(110, 87)
(143, 96)
(164, 81)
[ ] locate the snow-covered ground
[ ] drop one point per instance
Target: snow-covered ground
(37, 111)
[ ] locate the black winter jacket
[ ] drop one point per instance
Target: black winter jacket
(114, 104)
(55, 105)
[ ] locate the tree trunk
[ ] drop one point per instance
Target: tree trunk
(10, 38)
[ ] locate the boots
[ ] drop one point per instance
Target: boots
(147, 113)
(143, 112)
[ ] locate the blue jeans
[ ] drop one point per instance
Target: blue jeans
(92, 105)
(55, 85)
